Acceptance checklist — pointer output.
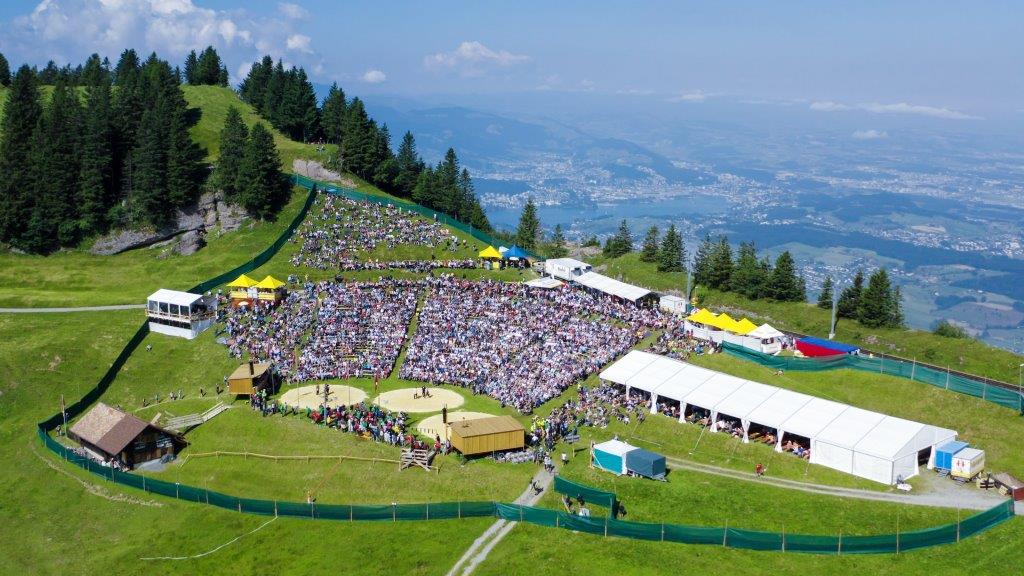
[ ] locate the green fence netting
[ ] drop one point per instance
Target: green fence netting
(607, 526)
(588, 494)
(910, 370)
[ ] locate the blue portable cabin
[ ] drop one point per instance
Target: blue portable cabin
(645, 463)
(944, 454)
(611, 456)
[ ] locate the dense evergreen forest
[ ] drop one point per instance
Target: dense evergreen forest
(286, 98)
(89, 148)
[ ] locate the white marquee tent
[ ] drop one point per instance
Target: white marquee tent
(860, 442)
(611, 286)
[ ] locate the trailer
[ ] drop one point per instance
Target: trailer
(967, 464)
(944, 455)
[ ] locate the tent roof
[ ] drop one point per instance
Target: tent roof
(855, 429)
(627, 366)
(611, 286)
(744, 400)
(765, 331)
(846, 348)
(547, 283)
(242, 281)
(745, 326)
(778, 408)
(485, 426)
(489, 252)
(516, 252)
(270, 283)
(175, 297)
(617, 447)
(702, 316)
(571, 263)
(724, 322)
(258, 368)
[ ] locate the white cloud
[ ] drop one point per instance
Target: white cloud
(897, 108)
(374, 77)
(69, 30)
(870, 134)
(693, 96)
(904, 108)
(299, 42)
(472, 58)
(293, 11)
(828, 106)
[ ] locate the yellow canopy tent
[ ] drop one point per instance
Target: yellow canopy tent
(270, 283)
(242, 281)
(744, 326)
(702, 316)
(490, 252)
(724, 322)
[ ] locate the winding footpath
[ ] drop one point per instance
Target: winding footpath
(483, 545)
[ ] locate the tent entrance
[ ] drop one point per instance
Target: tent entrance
(924, 456)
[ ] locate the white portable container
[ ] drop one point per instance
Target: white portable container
(968, 463)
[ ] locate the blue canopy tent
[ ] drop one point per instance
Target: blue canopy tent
(811, 346)
(516, 252)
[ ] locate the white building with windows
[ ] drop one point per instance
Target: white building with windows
(181, 314)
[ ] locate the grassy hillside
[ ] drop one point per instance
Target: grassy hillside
(966, 355)
(212, 103)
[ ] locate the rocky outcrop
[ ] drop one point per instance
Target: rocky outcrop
(187, 233)
(316, 171)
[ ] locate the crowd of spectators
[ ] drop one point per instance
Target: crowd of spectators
(340, 230)
(520, 345)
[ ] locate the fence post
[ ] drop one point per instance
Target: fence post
(605, 526)
(839, 549)
(394, 512)
(275, 508)
(947, 376)
(460, 509)
(783, 537)
(428, 510)
(725, 534)
(239, 505)
(958, 525)
(177, 488)
(143, 482)
(913, 369)
(351, 513)
(662, 531)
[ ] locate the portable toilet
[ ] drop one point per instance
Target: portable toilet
(645, 463)
(611, 456)
(968, 463)
(944, 454)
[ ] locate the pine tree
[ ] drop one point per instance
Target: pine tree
(233, 138)
(148, 196)
(825, 296)
(307, 115)
(702, 262)
(253, 89)
(184, 162)
(263, 188)
(876, 302)
(95, 183)
(721, 265)
(333, 114)
(672, 255)
(191, 66)
(529, 227)
(223, 77)
(22, 113)
(849, 299)
(55, 168)
(897, 318)
(558, 249)
(5, 71)
(621, 243)
(649, 249)
(409, 166)
(784, 284)
(207, 68)
(423, 192)
(747, 276)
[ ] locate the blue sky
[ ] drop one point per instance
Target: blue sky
(942, 60)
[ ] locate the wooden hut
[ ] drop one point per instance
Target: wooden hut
(487, 435)
(250, 378)
(242, 290)
(270, 289)
(110, 434)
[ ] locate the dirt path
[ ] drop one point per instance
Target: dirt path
(72, 309)
(483, 545)
(940, 493)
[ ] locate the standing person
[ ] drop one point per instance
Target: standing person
(759, 469)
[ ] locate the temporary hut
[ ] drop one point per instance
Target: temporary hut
(240, 289)
(250, 378)
(611, 456)
(270, 289)
(645, 463)
(612, 287)
(487, 435)
(490, 253)
(110, 434)
(765, 338)
(567, 269)
(181, 314)
(516, 253)
(672, 304)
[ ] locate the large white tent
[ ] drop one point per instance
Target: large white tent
(860, 442)
(611, 286)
